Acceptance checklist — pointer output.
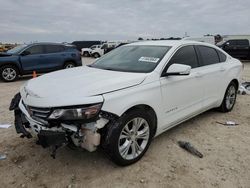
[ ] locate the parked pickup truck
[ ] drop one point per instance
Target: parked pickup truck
(39, 57)
(238, 48)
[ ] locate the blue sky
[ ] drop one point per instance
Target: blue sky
(69, 20)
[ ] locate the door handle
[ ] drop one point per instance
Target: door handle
(198, 75)
(222, 69)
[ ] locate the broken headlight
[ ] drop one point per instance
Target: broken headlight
(78, 113)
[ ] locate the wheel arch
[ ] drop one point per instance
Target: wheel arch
(12, 64)
(236, 81)
(148, 109)
(69, 61)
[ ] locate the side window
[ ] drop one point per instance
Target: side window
(53, 48)
(208, 55)
(222, 56)
(37, 49)
(186, 56)
(243, 42)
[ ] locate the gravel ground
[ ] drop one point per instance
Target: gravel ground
(226, 161)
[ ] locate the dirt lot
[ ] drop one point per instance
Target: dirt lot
(226, 150)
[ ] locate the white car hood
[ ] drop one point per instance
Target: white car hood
(81, 82)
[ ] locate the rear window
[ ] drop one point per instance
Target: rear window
(208, 55)
(243, 42)
(222, 56)
(53, 48)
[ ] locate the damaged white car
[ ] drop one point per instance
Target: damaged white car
(127, 97)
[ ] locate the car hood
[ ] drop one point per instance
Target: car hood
(81, 82)
(4, 54)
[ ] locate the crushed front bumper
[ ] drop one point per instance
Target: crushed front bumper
(23, 122)
(85, 134)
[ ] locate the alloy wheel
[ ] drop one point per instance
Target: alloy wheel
(9, 74)
(230, 97)
(134, 138)
(68, 66)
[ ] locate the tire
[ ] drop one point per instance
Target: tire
(68, 65)
(121, 141)
(85, 54)
(96, 55)
(229, 98)
(8, 73)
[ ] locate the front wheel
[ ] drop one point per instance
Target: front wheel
(8, 73)
(229, 98)
(129, 138)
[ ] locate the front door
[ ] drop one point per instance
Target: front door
(182, 95)
(31, 58)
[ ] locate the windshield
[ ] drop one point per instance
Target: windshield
(220, 43)
(142, 59)
(17, 49)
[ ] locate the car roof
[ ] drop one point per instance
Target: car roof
(48, 43)
(174, 43)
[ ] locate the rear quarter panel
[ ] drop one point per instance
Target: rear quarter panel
(233, 71)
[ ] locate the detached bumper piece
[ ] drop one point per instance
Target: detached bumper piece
(50, 138)
(20, 120)
(54, 139)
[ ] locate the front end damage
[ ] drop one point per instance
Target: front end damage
(55, 133)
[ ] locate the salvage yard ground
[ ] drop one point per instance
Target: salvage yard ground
(226, 150)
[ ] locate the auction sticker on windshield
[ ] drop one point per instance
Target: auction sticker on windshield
(149, 59)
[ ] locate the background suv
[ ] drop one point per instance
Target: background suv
(39, 57)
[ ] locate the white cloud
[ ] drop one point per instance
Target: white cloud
(68, 20)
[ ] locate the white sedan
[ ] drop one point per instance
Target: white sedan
(127, 97)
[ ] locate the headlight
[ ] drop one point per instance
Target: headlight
(76, 113)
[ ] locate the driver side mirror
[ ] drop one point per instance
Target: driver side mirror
(178, 70)
(24, 53)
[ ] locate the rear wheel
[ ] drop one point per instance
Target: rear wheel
(129, 138)
(69, 65)
(8, 73)
(229, 98)
(96, 55)
(85, 54)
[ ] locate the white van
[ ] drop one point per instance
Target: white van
(207, 39)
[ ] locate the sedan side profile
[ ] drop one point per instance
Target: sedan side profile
(127, 97)
(39, 57)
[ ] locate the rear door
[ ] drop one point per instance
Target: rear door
(31, 61)
(182, 95)
(53, 58)
(213, 68)
(242, 48)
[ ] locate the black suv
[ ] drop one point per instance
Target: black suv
(238, 48)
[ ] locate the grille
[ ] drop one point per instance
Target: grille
(41, 113)
(38, 114)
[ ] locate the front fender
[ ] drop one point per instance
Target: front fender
(118, 102)
(11, 60)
